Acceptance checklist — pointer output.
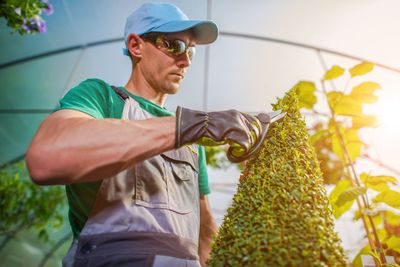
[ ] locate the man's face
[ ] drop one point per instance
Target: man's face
(163, 70)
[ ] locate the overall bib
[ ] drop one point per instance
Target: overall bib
(146, 215)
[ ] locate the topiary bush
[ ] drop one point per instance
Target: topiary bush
(280, 214)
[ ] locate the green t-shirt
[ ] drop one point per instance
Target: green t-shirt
(96, 98)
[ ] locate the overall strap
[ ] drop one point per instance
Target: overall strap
(124, 96)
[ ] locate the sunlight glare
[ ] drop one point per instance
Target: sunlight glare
(388, 113)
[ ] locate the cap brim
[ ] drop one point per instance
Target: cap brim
(205, 32)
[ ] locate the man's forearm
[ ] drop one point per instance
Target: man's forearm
(208, 228)
(69, 149)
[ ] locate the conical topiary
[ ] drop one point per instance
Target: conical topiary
(280, 214)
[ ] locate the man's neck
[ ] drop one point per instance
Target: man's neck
(145, 91)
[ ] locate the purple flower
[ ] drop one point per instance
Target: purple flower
(38, 25)
(41, 25)
(48, 10)
(25, 26)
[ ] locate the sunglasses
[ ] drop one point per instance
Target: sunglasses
(174, 47)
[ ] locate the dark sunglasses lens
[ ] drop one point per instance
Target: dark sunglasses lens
(177, 47)
(191, 52)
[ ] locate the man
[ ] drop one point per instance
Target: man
(135, 176)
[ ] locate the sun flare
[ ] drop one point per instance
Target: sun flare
(388, 113)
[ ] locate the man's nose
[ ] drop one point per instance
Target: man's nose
(184, 60)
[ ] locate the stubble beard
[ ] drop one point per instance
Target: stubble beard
(172, 90)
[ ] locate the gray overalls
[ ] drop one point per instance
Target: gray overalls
(147, 215)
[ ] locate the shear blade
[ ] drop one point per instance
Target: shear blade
(276, 115)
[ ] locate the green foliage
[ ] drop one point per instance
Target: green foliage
(363, 120)
(394, 243)
(24, 205)
(389, 197)
(350, 194)
(339, 189)
(338, 146)
(280, 214)
(306, 92)
(215, 156)
(361, 69)
(333, 73)
(364, 92)
(378, 183)
(24, 16)
(350, 139)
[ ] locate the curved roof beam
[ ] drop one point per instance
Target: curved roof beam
(222, 33)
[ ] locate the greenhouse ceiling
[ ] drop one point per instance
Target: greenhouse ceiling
(264, 48)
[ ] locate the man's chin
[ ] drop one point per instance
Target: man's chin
(173, 89)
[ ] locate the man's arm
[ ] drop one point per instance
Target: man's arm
(208, 228)
(71, 146)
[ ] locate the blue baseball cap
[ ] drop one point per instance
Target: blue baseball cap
(168, 18)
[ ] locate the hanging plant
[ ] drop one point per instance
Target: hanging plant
(24, 17)
(280, 215)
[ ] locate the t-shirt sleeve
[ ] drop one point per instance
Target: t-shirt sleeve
(89, 97)
(203, 176)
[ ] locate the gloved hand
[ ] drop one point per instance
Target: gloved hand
(241, 131)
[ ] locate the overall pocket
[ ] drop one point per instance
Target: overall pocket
(151, 183)
(168, 181)
(182, 184)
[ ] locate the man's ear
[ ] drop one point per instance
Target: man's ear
(134, 45)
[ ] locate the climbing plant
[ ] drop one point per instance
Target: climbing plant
(336, 138)
(280, 214)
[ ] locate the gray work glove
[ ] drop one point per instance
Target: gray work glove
(241, 131)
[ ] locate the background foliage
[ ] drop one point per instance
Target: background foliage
(339, 120)
(24, 205)
(24, 16)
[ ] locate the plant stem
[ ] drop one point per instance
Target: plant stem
(315, 112)
(356, 183)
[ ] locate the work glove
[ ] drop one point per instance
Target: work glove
(243, 132)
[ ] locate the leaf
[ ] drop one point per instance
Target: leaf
(334, 97)
(361, 69)
(382, 234)
(306, 93)
(364, 121)
(378, 183)
(377, 179)
(389, 197)
(364, 251)
(350, 194)
(340, 187)
(392, 218)
(364, 92)
(394, 243)
(318, 135)
(333, 73)
(351, 141)
(344, 104)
